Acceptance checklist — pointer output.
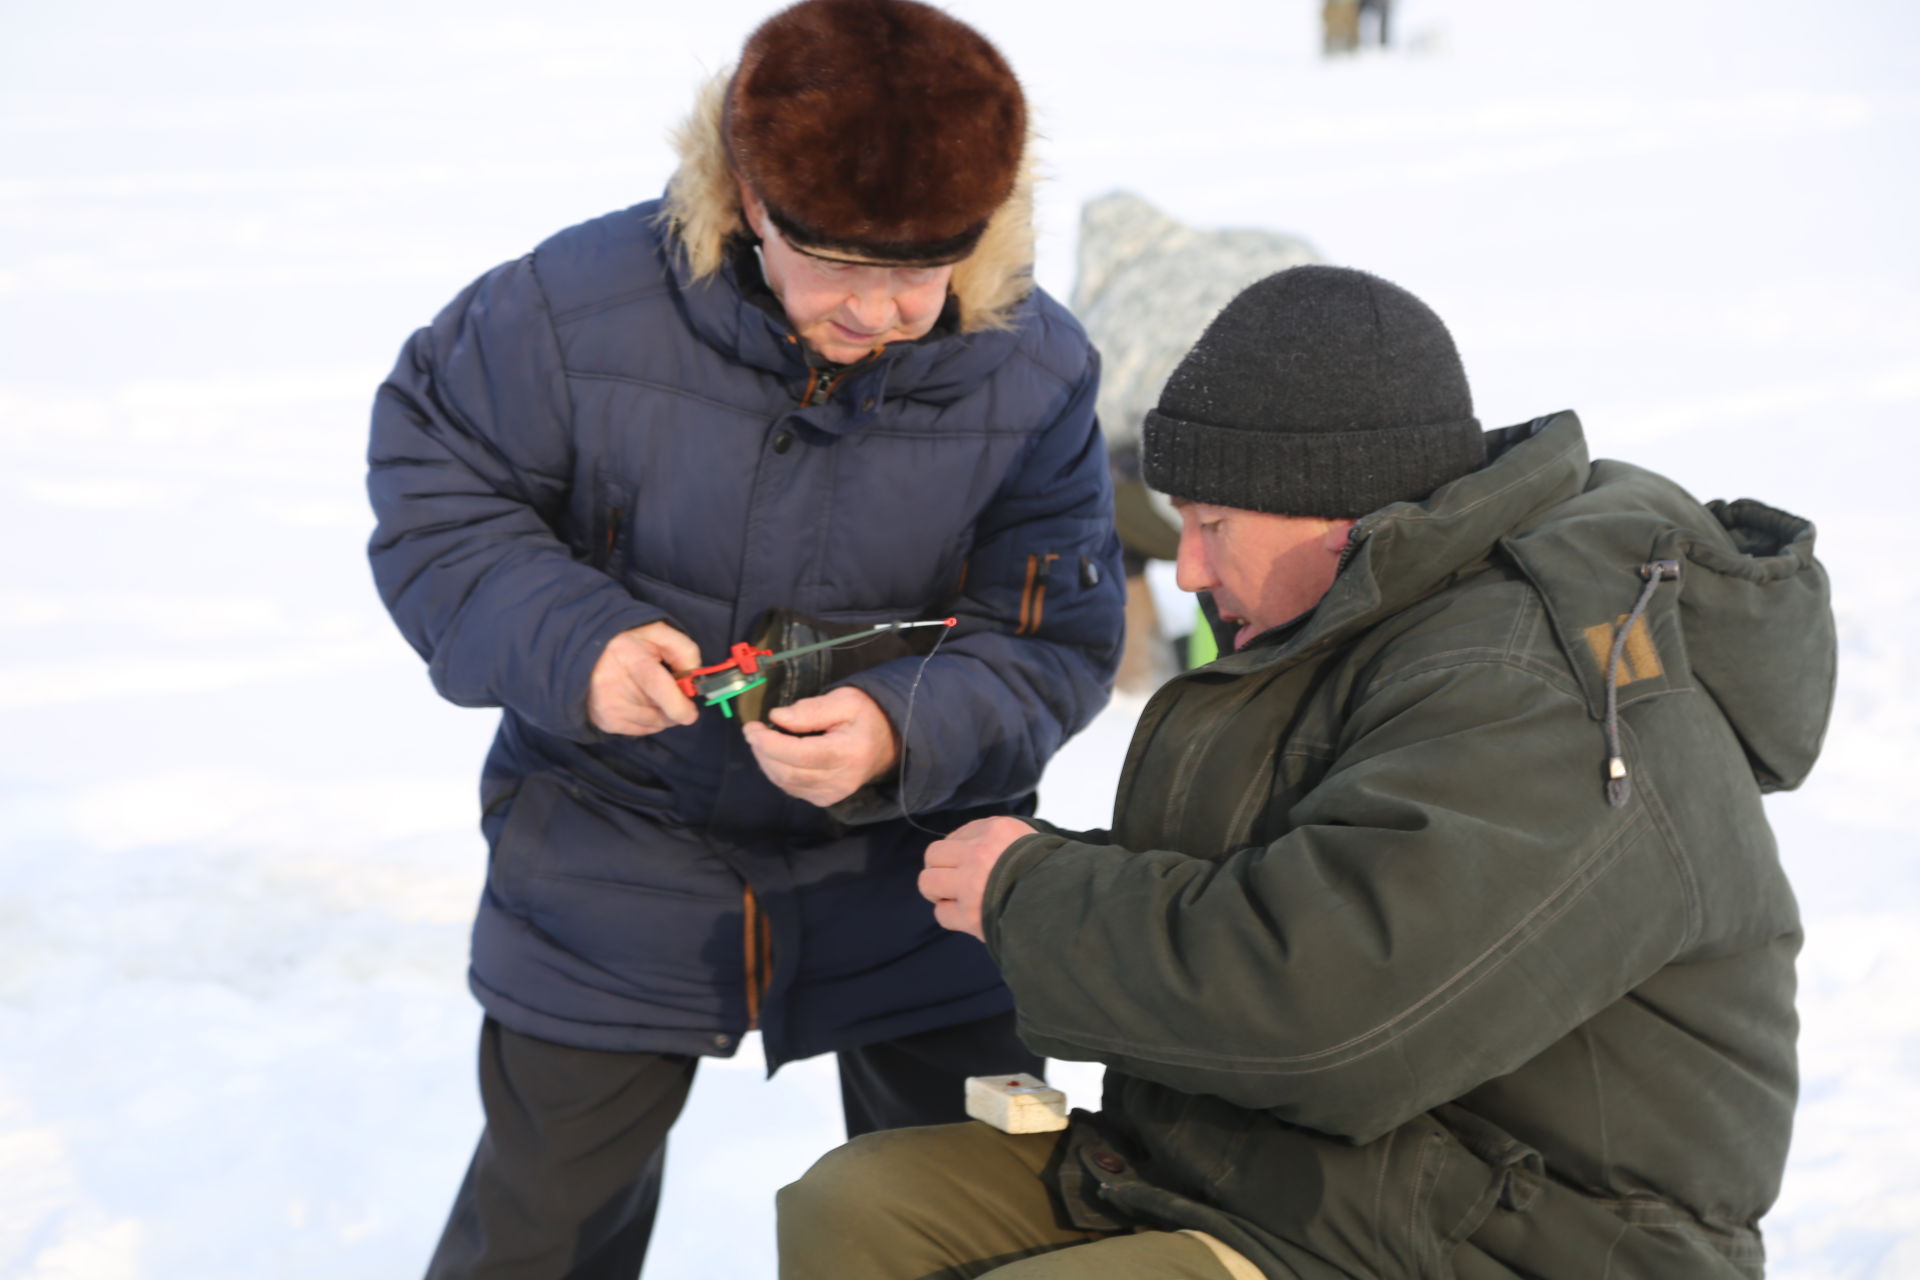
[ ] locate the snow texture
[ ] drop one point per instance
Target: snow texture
(237, 841)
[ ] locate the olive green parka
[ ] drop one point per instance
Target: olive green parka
(1393, 974)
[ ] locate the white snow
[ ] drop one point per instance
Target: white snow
(237, 842)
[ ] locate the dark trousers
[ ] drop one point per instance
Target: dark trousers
(566, 1177)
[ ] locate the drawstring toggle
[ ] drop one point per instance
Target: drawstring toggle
(1619, 785)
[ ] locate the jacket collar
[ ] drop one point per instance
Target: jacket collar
(725, 310)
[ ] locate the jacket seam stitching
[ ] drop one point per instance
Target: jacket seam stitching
(1260, 784)
(1421, 1190)
(581, 375)
(1483, 655)
(1514, 645)
(587, 310)
(1585, 1031)
(1662, 822)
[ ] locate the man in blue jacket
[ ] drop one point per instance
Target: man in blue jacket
(813, 381)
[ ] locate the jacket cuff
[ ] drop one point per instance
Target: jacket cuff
(577, 679)
(1021, 856)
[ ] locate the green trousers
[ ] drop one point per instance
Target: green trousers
(956, 1201)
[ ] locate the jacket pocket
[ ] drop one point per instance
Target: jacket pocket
(526, 830)
(1397, 1208)
(641, 901)
(1476, 1166)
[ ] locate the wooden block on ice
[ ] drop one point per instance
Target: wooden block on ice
(1016, 1103)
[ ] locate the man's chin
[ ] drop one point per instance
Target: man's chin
(833, 343)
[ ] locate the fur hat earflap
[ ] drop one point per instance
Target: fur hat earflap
(879, 130)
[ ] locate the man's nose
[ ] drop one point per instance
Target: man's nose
(1191, 572)
(871, 305)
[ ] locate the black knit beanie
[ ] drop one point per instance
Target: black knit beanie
(1318, 391)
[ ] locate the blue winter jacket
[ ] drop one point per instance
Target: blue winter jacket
(588, 439)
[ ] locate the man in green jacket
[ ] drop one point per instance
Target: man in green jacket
(1440, 931)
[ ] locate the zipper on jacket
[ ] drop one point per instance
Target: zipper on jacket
(820, 385)
(757, 943)
(822, 382)
(612, 540)
(604, 544)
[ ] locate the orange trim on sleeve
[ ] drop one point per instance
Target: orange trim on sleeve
(1040, 595)
(750, 946)
(1026, 594)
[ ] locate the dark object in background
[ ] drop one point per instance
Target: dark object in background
(1145, 286)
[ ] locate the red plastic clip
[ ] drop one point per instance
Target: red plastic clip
(744, 656)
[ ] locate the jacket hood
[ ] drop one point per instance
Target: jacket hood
(702, 210)
(1746, 618)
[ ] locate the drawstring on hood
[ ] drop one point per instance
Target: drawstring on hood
(1619, 783)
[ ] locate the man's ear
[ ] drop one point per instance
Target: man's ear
(750, 205)
(1336, 536)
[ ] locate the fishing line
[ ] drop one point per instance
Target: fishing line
(907, 730)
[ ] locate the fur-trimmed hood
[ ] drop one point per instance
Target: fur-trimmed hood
(702, 211)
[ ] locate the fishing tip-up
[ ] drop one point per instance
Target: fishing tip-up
(719, 684)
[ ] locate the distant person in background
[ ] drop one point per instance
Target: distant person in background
(1440, 930)
(1377, 14)
(1344, 24)
(1145, 285)
(810, 390)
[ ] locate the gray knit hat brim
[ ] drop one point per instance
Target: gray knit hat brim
(1333, 476)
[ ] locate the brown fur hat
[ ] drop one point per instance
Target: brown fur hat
(882, 130)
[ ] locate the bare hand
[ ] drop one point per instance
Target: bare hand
(851, 743)
(632, 691)
(957, 869)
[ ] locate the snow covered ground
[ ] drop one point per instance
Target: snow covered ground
(237, 849)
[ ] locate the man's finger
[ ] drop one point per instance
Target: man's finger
(936, 884)
(677, 649)
(659, 688)
(814, 754)
(819, 713)
(636, 719)
(952, 916)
